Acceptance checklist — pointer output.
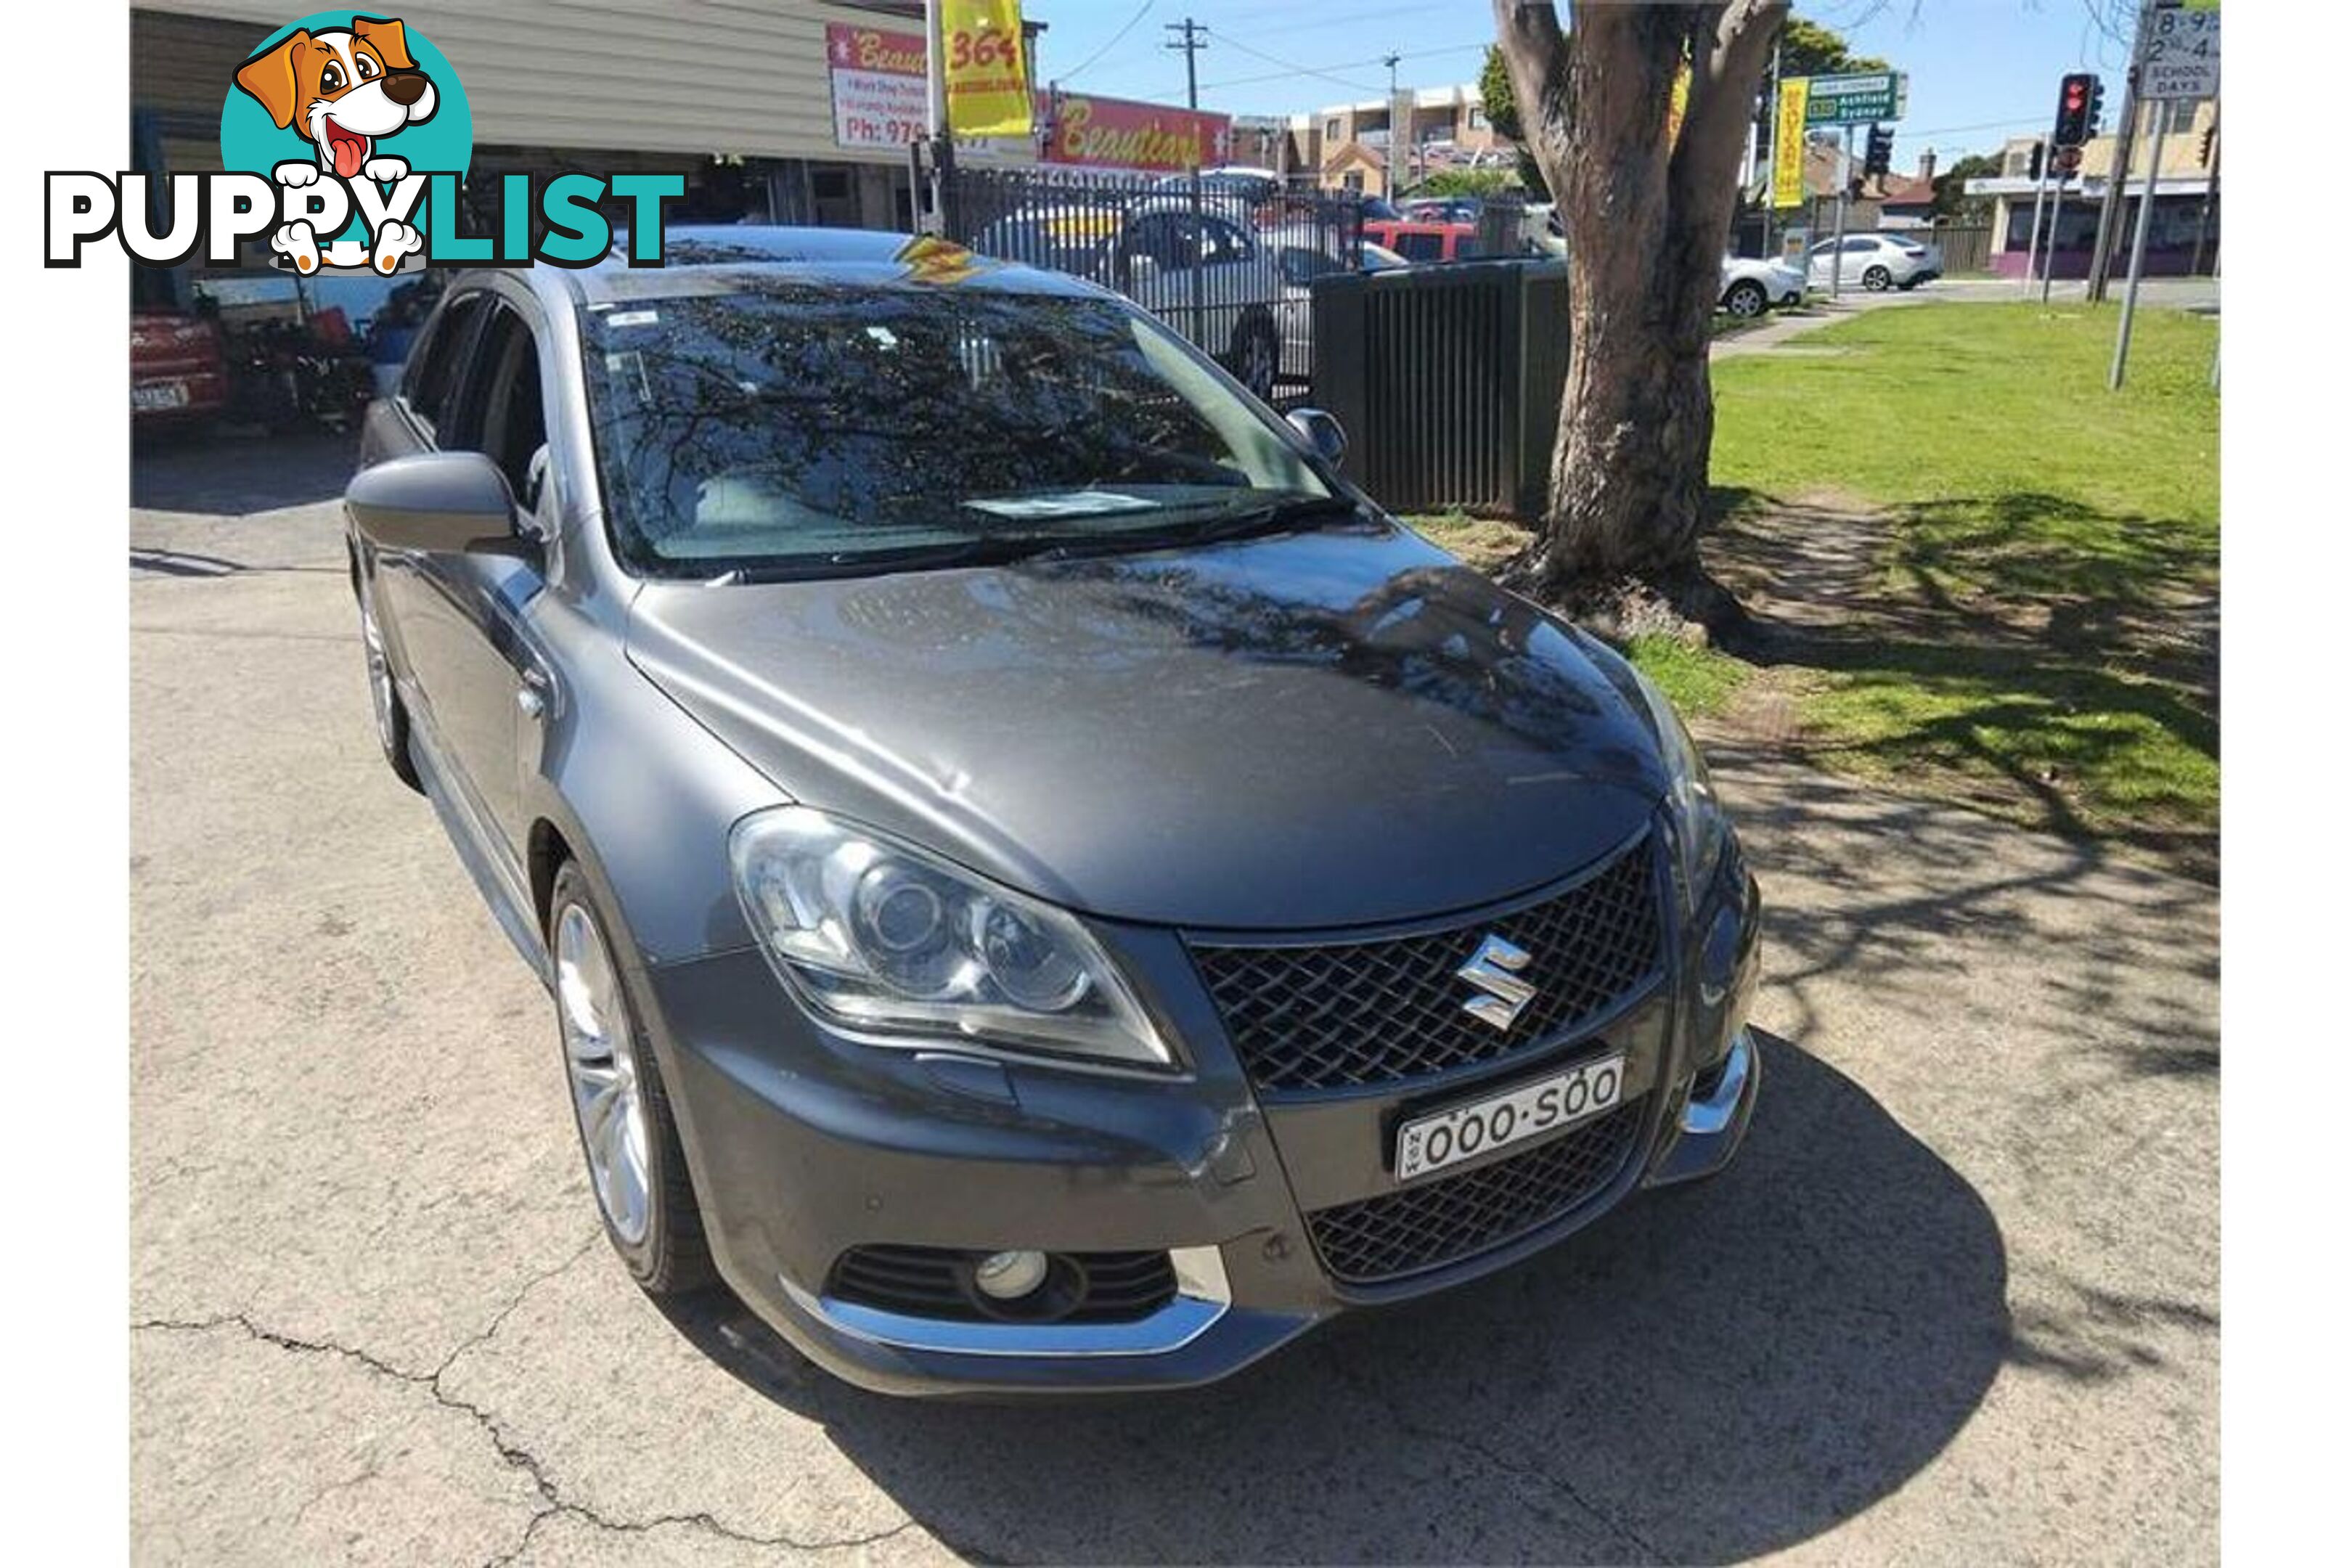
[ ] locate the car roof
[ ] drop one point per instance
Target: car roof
(720, 259)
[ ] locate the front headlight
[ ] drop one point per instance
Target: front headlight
(1700, 828)
(884, 937)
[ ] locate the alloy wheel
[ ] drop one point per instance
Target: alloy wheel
(600, 1054)
(1744, 300)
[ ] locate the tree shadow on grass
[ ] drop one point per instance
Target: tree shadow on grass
(1705, 1374)
(2056, 663)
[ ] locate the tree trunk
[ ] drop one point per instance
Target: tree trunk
(1646, 227)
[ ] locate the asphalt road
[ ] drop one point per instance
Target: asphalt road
(1956, 1303)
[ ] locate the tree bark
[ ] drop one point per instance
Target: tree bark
(1646, 226)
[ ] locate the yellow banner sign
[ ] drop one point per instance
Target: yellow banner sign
(1789, 144)
(987, 70)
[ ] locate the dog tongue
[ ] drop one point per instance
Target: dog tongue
(350, 152)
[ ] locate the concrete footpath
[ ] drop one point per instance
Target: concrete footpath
(1957, 1303)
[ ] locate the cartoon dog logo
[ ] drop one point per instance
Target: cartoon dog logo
(344, 91)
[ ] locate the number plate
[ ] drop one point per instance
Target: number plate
(1518, 1115)
(160, 394)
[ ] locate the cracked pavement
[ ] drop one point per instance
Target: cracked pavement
(1958, 1300)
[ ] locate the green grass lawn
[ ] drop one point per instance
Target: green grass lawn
(2023, 569)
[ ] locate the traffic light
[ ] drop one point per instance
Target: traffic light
(2033, 164)
(2078, 109)
(1878, 153)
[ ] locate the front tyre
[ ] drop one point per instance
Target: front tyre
(637, 1166)
(1745, 299)
(391, 713)
(1876, 280)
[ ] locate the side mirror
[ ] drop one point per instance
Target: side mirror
(438, 502)
(1323, 434)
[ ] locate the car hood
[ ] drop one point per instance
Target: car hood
(1327, 729)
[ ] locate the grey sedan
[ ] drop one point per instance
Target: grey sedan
(1041, 884)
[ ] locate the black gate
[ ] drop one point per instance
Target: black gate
(1228, 260)
(1448, 381)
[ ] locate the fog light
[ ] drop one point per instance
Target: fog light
(1009, 1275)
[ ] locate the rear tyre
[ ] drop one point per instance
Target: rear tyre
(1876, 280)
(1255, 357)
(384, 697)
(636, 1164)
(1745, 299)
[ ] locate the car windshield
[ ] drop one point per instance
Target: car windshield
(796, 429)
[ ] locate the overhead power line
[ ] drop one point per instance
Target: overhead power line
(1293, 69)
(1140, 12)
(1325, 72)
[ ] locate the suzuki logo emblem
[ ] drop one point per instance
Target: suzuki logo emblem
(1494, 969)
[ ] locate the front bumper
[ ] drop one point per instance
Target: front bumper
(805, 1144)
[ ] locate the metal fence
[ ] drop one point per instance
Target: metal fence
(1448, 381)
(1228, 263)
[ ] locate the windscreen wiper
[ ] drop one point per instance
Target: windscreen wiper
(1272, 516)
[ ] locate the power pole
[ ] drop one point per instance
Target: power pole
(2119, 170)
(1193, 37)
(1398, 134)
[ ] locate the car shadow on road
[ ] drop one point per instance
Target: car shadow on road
(1707, 1374)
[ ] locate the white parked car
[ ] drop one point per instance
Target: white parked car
(1246, 288)
(1875, 262)
(1751, 286)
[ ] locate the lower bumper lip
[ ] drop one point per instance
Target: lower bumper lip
(1202, 1296)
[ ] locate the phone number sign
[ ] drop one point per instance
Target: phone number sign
(1858, 100)
(881, 94)
(2184, 55)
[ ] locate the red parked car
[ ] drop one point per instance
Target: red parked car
(178, 373)
(1418, 242)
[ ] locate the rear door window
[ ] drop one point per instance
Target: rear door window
(1421, 246)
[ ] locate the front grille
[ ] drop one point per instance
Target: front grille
(1341, 1015)
(1448, 1218)
(936, 1282)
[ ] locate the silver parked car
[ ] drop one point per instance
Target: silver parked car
(1206, 270)
(1751, 286)
(1874, 261)
(1043, 885)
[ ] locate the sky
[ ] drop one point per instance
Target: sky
(1981, 70)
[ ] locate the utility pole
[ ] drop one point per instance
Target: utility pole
(1399, 135)
(2119, 169)
(1194, 38)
